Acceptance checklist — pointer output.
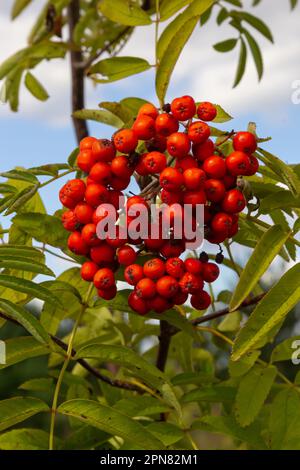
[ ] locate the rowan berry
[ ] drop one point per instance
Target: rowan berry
(198, 132)
(72, 193)
(210, 272)
(193, 266)
(154, 268)
(221, 222)
(118, 239)
(159, 304)
(180, 298)
(254, 166)
(119, 184)
(88, 270)
(101, 173)
(108, 294)
(157, 143)
(171, 179)
(120, 166)
(155, 162)
(175, 267)
(144, 127)
(170, 198)
(172, 248)
(85, 160)
(233, 202)
(89, 235)
(96, 194)
(206, 111)
(104, 279)
(204, 150)
(178, 144)
(194, 178)
(166, 124)
(185, 163)
(183, 108)
(190, 283)
(214, 189)
(194, 197)
(125, 140)
(229, 181)
(167, 286)
(116, 198)
(86, 143)
(102, 254)
(83, 213)
(77, 245)
(103, 150)
(137, 304)
(145, 288)
(133, 274)
(245, 142)
(126, 255)
(238, 163)
(70, 221)
(214, 167)
(148, 109)
(201, 300)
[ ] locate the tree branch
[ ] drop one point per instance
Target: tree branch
(77, 74)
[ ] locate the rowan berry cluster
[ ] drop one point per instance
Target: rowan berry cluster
(175, 152)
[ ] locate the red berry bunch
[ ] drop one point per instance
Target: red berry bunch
(173, 146)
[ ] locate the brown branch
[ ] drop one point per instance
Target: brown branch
(164, 344)
(77, 74)
(92, 370)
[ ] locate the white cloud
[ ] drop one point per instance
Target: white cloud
(201, 71)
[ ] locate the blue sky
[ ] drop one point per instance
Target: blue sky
(41, 132)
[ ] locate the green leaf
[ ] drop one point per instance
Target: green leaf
(21, 251)
(111, 421)
(169, 7)
(99, 115)
(22, 175)
(35, 87)
(21, 348)
(141, 406)
(167, 433)
(15, 410)
(172, 41)
(44, 228)
(117, 109)
(241, 64)
(26, 319)
(237, 369)
(72, 157)
(13, 83)
(214, 394)
(255, 22)
(124, 12)
(133, 104)
(222, 115)
(116, 68)
(21, 198)
(256, 53)
(293, 4)
(285, 172)
(228, 426)
(29, 288)
(284, 423)
(279, 200)
(225, 46)
(24, 439)
(284, 350)
(252, 393)
(7, 189)
(265, 251)
(196, 378)
(38, 385)
(18, 7)
(272, 309)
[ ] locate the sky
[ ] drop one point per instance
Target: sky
(42, 132)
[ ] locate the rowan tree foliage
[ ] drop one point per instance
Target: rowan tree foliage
(218, 372)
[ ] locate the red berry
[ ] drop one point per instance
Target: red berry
(194, 178)
(254, 166)
(133, 274)
(148, 109)
(116, 198)
(135, 200)
(190, 283)
(145, 288)
(96, 194)
(86, 143)
(108, 294)
(103, 150)
(84, 213)
(88, 270)
(201, 300)
(77, 245)
(155, 162)
(204, 150)
(70, 221)
(85, 160)
(186, 163)
(214, 167)
(183, 108)
(171, 179)
(166, 124)
(103, 254)
(194, 197)
(101, 213)
(229, 181)
(175, 267)
(178, 144)
(180, 298)
(125, 140)
(72, 193)
(238, 163)
(158, 143)
(214, 189)
(198, 132)
(101, 173)
(120, 166)
(234, 230)
(137, 304)
(170, 198)
(172, 248)
(104, 278)
(144, 127)
(221, 222)
(126, 255)
(233, 202)
(245, 142)
(154, 268)
(118, 239)
(159, 304)
(89, 235)
(167, 286)
(210, 272)
(206, 111)
(193, 266)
